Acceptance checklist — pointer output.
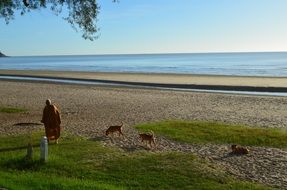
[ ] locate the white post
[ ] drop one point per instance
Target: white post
(44, 149)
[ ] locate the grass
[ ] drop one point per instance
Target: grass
(11, 110)
(217, 133)
(78, 163)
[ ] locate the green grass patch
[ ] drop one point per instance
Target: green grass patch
(11, 110)
(78, 163)
(219, 133)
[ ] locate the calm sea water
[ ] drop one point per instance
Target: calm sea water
(242, 64)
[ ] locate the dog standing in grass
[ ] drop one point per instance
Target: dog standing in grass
(148, 138)
(115, 128)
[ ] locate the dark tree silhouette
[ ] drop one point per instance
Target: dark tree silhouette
(82, 14)
(2, 55)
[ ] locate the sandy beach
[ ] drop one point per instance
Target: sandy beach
(142, 105)
(89, 110)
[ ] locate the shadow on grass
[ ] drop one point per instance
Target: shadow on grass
(22, 147)
(134, 148)
(23, 164)
(127, 148)
(98, 138)
(232, 154)
(17, 148)
(27, 124)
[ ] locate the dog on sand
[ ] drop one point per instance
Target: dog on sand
(148, 138)
(239, 149)
(115, 128)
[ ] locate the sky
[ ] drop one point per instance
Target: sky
(154, 26)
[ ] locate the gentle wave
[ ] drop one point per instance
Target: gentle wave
(240, 64)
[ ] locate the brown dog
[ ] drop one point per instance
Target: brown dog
(239, 150)
(115, 128)
(147, 138)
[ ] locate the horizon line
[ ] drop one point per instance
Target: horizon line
(157, 53)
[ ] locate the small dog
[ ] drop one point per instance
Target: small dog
(239, 150)
(115, 128)
(148, 138)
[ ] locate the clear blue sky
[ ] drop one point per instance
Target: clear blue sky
(155, 26)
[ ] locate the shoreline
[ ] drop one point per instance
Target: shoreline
(157, 80)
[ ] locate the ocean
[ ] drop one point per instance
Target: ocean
(237, 64)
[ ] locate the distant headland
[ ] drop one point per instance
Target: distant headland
(2, 55)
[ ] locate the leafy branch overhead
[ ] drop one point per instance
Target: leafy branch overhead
(82, 14)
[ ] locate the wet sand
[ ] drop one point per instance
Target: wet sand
(208, 82)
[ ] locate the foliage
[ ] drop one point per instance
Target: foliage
(82, 14)
(11, 110)
(79, 163)
(212, 132)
